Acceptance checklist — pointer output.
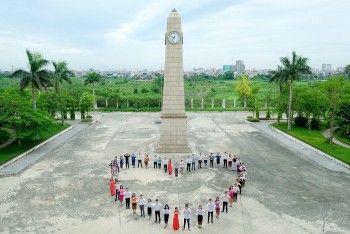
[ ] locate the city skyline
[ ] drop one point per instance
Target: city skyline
(126, 35)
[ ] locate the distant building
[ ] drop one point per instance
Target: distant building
(326, 67)
(227, 68)
(240, 67)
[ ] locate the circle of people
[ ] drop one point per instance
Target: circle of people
(192, 163)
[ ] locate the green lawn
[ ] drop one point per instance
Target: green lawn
(14, 149)
(341, 138)
(316, 139)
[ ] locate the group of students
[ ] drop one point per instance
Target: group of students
(227, 198)
(191, 163)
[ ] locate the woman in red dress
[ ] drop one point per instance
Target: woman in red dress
(176, 224)
(112, 186)
(170, 167)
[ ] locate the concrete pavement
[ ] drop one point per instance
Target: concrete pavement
(68, 192)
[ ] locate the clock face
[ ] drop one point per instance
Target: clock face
(174, 37)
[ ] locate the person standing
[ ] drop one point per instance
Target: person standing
(187, 217)
(205, 159)
(121, 194)
(193, 162)
(229, 160)
(166, 212)
(176, 167)
(159, 163)
(133, 203)
(165, 165)
(188, 162)
(121, 161)
(200, 159)
(127, 196)
(155, 162)
(157, 208)
(146, 161)
(218, 157)
(225, 199)
(200, 213)
(112, 186)
(182, 167)
(211, 208)
(217, 207)
(133, 160)
(139, 160)
(149, 208)
(230, 193)
(117, 188)
(211, 160)
(225, 160)
(176, 223)
(126, 156)
(170, 167)
(235, 191)
(141, 202)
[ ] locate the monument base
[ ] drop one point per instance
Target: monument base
(173, 134)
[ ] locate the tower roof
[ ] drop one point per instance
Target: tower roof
(174, 10)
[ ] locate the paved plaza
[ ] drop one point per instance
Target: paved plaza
(67, 190)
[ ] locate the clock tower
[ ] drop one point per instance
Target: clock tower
(173, 129)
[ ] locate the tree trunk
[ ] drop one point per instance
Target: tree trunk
(309, 120)
(34, 98)
(331, 129)
(93, 94)
(106, 103)
(290, 116)
(62, 117)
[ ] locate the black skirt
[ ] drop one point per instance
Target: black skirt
(149, 211)
(200, 218)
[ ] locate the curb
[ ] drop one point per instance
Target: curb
(34, 148)
(310, 147)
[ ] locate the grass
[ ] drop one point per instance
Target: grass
(14, 149)
(340, 137)
(315, 139)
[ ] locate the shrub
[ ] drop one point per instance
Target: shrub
(315, 124)
(345, 131)
(4, 135)
(300, 121)
(252, 119)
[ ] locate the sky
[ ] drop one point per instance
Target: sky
(115, 34)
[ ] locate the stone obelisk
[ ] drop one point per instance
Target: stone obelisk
(173, 128)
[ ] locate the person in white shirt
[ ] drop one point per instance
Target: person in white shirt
(200, 213)
(141, 201)
(194, 162)
(225, 160)
(211, 207)
(157, 207)
(166, 212)
(225, 200)
(200, 159)
(139, 160)
(127, 196)
(165, 163)
(155, 158)
(229, 160)
(187, 216)
(149, 208)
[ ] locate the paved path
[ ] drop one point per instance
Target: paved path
(68, 191)
(327, 134)
(29, 159)
(305, 150)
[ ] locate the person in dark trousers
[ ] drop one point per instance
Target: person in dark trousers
(225, 200)
(211, 160)
(126, 156)
(133, 160)
(211, 207)
(188, 163)
(187, 217)
(157, 208)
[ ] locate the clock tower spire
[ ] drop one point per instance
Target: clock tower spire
(173, 129)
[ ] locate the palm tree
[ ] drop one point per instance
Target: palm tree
(61, 74)
(293, 69)
(278, 76)
(93, 78)
(37, 77)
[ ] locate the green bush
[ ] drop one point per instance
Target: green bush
(345, 131)
(4, 135)
(300, 121)
(315, 124)
(252, 119)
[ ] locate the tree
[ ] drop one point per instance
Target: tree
(61, 74)
(292, 70)
(37, 77)
(93, 79)
(278, 76)
(86, 103)
(347, 70)
(244, 89)
(333, 89)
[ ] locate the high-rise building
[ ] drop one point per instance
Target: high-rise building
(240, 67)
(326, 67)
(227, 68)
